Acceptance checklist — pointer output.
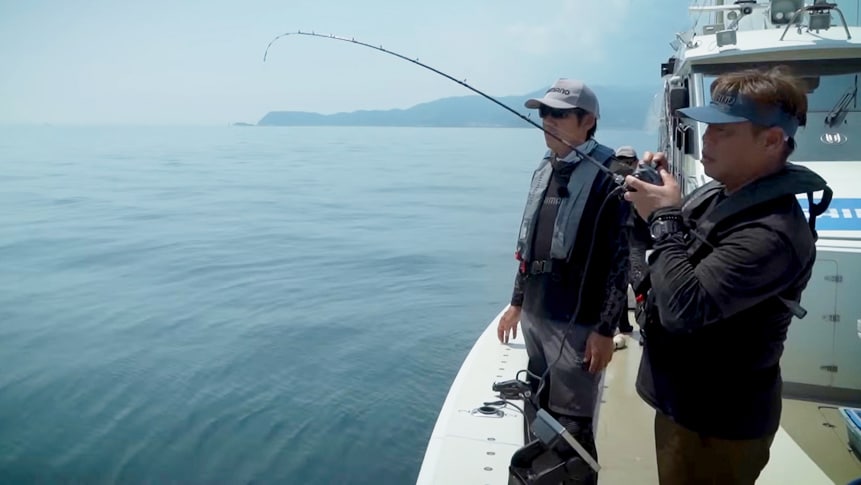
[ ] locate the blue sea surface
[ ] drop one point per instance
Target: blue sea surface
(246, 305)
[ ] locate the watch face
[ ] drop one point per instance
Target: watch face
(658, 229)
(662, 228)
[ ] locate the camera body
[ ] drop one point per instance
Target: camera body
(649, 174)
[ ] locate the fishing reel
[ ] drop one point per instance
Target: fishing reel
(648, 173)
(645, 172)
(513, 389)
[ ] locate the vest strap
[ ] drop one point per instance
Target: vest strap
(817, 210)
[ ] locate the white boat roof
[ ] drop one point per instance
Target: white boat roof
(755, 45)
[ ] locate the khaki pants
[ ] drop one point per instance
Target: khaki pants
(687, 458)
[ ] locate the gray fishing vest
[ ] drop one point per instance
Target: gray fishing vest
(570, 210)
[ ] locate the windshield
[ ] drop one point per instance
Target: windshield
(833, 131)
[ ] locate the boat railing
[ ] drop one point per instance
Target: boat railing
(819, 17)
(727, 15)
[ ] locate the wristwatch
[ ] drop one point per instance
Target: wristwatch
(663, 226)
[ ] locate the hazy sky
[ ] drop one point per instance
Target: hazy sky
(201, 61)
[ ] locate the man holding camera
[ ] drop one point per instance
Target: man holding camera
(728, 267)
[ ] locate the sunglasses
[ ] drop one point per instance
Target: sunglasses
(545, 111)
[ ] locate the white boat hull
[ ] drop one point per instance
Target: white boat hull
(468, 447)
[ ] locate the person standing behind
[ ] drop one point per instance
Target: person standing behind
(573, 262)
(639, 237)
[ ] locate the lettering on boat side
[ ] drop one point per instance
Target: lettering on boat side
(842, 215)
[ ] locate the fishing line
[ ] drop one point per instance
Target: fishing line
(617, 178)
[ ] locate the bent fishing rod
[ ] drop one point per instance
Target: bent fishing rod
(644, 172)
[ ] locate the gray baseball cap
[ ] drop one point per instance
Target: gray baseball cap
(626, 152)
(567, 94)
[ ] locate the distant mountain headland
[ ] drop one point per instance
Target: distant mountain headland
(621, 107)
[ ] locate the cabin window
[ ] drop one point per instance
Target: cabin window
(833, 131)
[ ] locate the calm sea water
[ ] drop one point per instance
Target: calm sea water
(235, 305)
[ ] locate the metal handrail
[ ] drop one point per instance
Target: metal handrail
(814, 8)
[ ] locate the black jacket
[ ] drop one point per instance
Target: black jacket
(718, 316)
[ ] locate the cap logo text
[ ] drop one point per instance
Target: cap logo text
(558, 90)
(724, 99)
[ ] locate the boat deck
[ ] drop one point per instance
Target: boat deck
(467, 447)
(811, 447)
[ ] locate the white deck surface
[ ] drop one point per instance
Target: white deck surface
(466, 448)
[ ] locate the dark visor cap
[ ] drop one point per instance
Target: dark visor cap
(737, 108)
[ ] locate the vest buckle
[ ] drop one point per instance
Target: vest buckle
(541, 267)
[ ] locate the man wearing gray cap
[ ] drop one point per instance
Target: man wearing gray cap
(728, 267)
(639, 237)
(572, 249)
(627, 154)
